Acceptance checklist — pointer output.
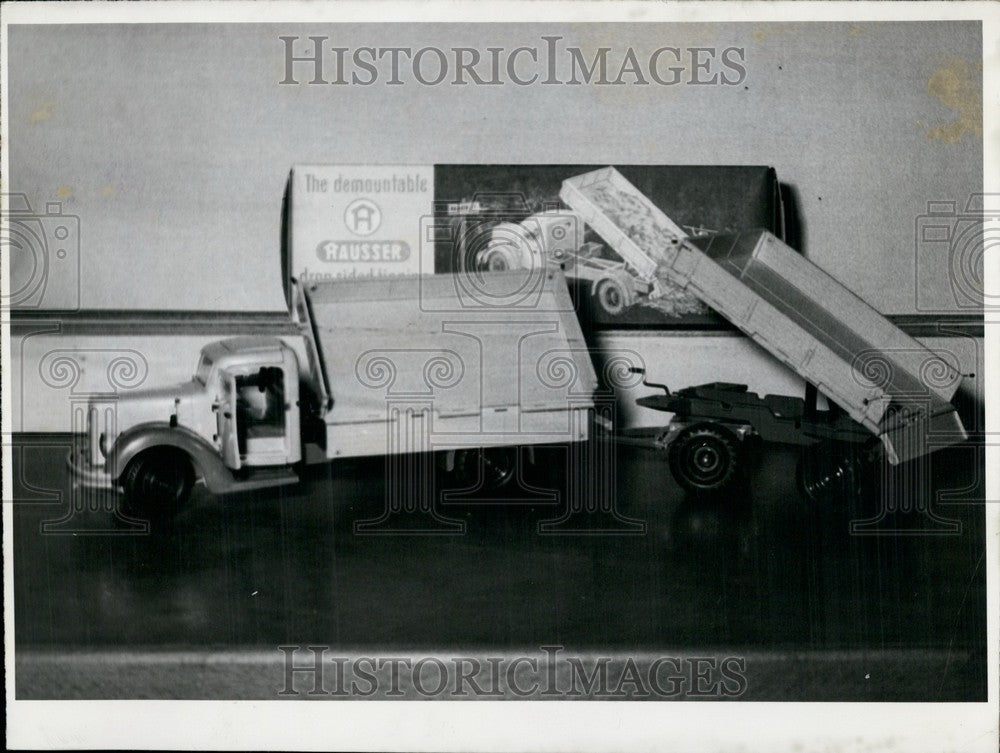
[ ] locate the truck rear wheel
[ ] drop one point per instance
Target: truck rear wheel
(704, 458)
(488, 468)
(613, 296)
(157, 484)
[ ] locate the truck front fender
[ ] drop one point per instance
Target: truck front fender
(207, 463)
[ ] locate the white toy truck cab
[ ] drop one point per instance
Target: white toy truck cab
(240, 413)
(375, 361)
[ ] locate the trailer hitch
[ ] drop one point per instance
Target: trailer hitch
(655, 385)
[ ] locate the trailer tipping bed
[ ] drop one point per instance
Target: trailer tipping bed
(885, 380)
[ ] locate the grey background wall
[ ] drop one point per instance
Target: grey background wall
(57, 374)
(172, 143)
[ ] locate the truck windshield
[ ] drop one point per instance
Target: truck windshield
(204, 369)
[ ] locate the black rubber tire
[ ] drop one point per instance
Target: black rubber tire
(704, 458)
(499, 466)
(612, 296)
(828, 472)
(157, 484)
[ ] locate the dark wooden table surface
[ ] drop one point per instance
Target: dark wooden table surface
(102, 610)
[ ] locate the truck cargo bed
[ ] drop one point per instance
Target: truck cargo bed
(462, 360)
(884, 379)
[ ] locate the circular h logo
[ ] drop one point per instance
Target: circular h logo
(362, 217)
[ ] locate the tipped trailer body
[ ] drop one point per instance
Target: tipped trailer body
(885, 380)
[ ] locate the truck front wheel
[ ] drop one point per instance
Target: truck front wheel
(613, 296)
(501, 260)
(704, 458)
(157, 484)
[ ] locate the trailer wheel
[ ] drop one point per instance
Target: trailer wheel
(827, 472)
(157, 484)
(704, 458)
(487, 468)
(612, 295)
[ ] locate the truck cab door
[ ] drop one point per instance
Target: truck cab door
(267, 418)
(225, 409)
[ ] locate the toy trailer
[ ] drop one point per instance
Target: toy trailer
(885, 380)
(456, 365)
(711, 424)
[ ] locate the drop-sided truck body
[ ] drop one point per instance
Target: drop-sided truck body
(392, 365)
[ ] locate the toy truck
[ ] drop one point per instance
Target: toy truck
(555, 237)
(379, 366)
(889, 385)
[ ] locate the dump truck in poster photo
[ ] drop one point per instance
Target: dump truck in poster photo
(555, 237)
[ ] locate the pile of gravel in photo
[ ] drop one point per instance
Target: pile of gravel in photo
(640, 225)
